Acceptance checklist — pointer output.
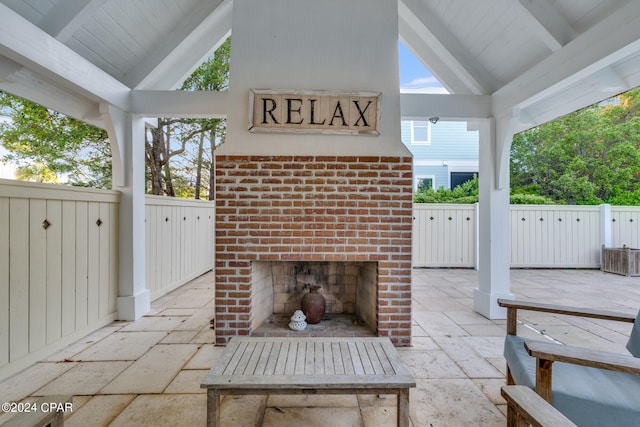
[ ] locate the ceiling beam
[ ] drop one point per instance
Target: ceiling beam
(29, 46)
(190, 42)
(178, 103)
(67, 16)
(444, 106)
(423, 52)
(595, 49)
(8, 68)
(587, 92)
(25, 84)
(609, 80)
(446, 47)
(547, 23)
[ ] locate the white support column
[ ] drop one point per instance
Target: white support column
(476, 209)
(126, 132)
(493, 228)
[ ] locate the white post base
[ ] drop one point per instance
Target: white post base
(134, 307)
(487, 304)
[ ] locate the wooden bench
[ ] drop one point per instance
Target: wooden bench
(261, 365)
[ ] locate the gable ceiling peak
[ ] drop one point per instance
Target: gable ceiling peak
(447, 48)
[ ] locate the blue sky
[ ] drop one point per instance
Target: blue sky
(413, 74)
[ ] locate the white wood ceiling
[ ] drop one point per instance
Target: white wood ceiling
(534, 57)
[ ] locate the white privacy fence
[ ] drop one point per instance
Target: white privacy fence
(58, 267)
(554, 236)
(625, 223)
(59, 262)
(444, 235)
(542, 236)
(179, 241)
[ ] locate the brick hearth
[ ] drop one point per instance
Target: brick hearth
(313, 208)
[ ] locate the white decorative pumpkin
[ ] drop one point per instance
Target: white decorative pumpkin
(298, 321)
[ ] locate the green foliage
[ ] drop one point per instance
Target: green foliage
(591, 156)
(588, 157)
(441, 196)
(530, 199)
(466, 192)
(50, 147)
(627, 198)
(533, 189)
(213, 74)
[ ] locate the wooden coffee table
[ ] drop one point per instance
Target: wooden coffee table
(262, 365)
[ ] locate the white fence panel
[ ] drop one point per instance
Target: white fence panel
(444, 235)
(542, 236)
(58, 267)
(179, 242)
(555, 236)
(59, 262)
(625, 226)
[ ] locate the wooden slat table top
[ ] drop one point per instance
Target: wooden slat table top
(318, 363)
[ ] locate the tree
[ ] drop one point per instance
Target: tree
(212, 75)
(587, 157)
(164, 142)
(173, 137)
(49, 147)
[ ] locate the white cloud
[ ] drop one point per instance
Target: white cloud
(428, 89)
(424, 81)
(428, 84)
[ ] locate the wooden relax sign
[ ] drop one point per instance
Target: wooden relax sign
(314, 111)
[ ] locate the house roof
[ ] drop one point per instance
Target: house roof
(533, 59)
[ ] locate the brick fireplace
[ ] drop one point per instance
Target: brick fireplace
(346, 213)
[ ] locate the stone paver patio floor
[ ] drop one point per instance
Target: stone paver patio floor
(148, 372)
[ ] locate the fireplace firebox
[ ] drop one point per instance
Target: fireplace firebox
(348, 287)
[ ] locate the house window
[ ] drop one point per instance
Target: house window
(459, 178)
(420, 132)
(424, 183)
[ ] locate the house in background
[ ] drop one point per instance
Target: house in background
(445, 153)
